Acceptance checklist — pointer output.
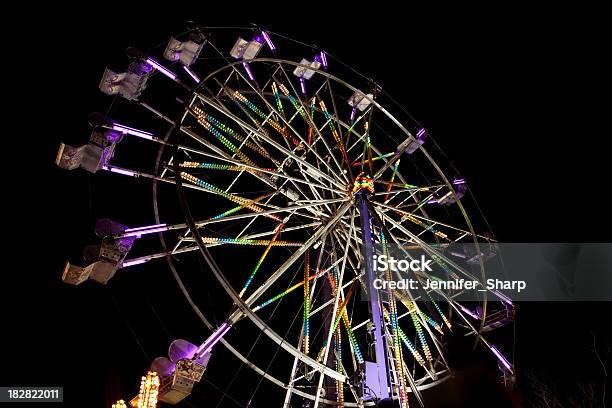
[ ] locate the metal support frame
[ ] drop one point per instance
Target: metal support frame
(373, 298)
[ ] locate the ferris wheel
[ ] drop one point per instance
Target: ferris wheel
(293, 174)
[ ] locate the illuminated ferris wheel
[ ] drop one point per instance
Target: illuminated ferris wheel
(290, 181)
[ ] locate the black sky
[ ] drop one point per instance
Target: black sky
(517, 98)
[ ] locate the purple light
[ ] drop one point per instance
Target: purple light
(191, 74)
(121, 171)
(268, 40)
(131, 131)
(468, 312)
(501, 358)
(248, 71)
(503, 297)
(303, 85)
(458, 181)
(207, 346)
(324, 59)
(432, 201)
(145, 227)
(160, 68)
(353, 113)
(138, 232)
(133, 262)
(421, 132)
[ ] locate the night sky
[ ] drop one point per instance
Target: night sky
(511, 95)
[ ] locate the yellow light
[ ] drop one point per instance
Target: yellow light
(119, 404)
(149, 388)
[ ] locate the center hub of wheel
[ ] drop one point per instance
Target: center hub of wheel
(363, 182)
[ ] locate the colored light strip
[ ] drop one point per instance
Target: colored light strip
(237, 199)
(268, 40)
(354, 345)
(345, 320)
(279, 103)
(299, 109)
(261, 259)
(275, 125)
(392, 179)
(296, 104)
(311, 127)
(342, 308)
(240, 207)
(306, 319)
(420, 223)
(440, 313)
(191, 74)
(412, 309)
(287, 291)
(421, 132)
(201, 117)
(251, 242)
(243, 140)
(216, 166)
(338, 367)
(383, 156)
(421, 336)
(160, 68)
(428, 200)
(131, 131)
(501, 358)
(399, 362)
(413, 350)
(335, 133)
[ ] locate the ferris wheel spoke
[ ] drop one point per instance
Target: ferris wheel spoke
(419, 318)
(270, 141)
(309, 119)
(236, 178)
(277, 126)
(215, 127)
(415, 217)
(332, 328)
(285, 229)
(225, 82)
(456, 306)
(146, 258)
(437, 255)
(428, 226)
(263, 178)
(240, 166)
(314, 238)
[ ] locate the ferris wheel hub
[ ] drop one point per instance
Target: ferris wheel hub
(363, 182)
